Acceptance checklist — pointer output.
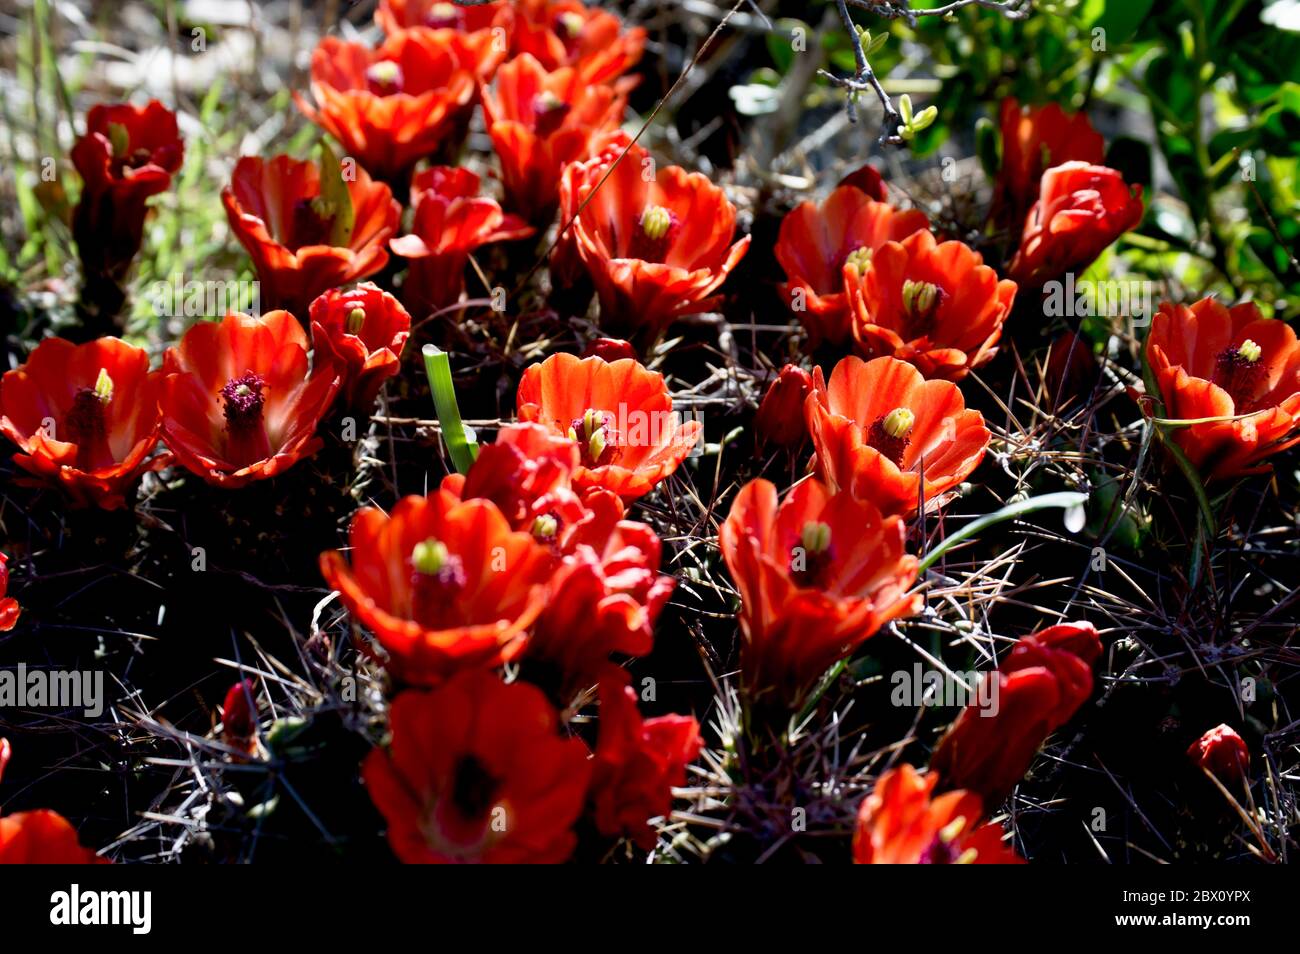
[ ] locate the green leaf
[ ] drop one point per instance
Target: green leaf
(460, 441)
(1065, 499)
(336, 198)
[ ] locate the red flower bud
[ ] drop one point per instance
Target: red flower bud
(128, 154)
(780, 416)
(239, 717)
(610, 349)
(1222, 753)
(868, 180)
(1040, 684)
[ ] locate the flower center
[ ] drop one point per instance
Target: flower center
(813, 556)
(570, 25)
(356, 320)
(545, 527)
(943, 849)
(595, 435)
(549, 112)
(891, 434)
(653, 238)
(86, 421)
(244, 400)
(384, 78)
(859, 258)
(1238, 371)
(442, 15)
(312, 222)
(473, 788)
(921, 302)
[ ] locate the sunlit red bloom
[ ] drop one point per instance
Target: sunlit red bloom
(638, 762)
(817, 576)
(606, 596)
(656, 250)
(277, 212)
(1210, 361)
(780, 418)
(560, 33)
(606, 589)
(444, 584)
(1081, 209)
(1033, 140)
(128, 154)
(410, 98)
(361, 333)
(620, 414)
(9, 608)
(450, 221)
(527, 473)
(238, 404)
(539, 123)
(40, 837)
(481, 23)
(1222, 753)
(884, 433)
(1040, 684)
(900, 823)
(934, 304)
(478, 773)
(239, 717)
(85, 417)
(815, 243)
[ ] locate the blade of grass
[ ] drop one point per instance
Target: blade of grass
(459, 439)
(1064, 499)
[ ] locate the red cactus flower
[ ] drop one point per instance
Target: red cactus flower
(1081, 209)
(539, 123)
(128, 154)
(361, 333)
(409, 98)
(298, 239)
(40, 837)
(1210, 361)
(480, 23)
(620, 414)
(936, 305)
(85, 417)
(239, 717)
(656, 246)
(559, 33)
(477, 773)
(527, 472)
(1041, 683)
(607, 594)
(900, 823)
(238, 404)
(637, 763)
(780, 418)
(9, 608)
(816, 241)
(1033, 140)
(883, 432)
(450, 221)
(444, 584)
(817, 575)
(1222, 753)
